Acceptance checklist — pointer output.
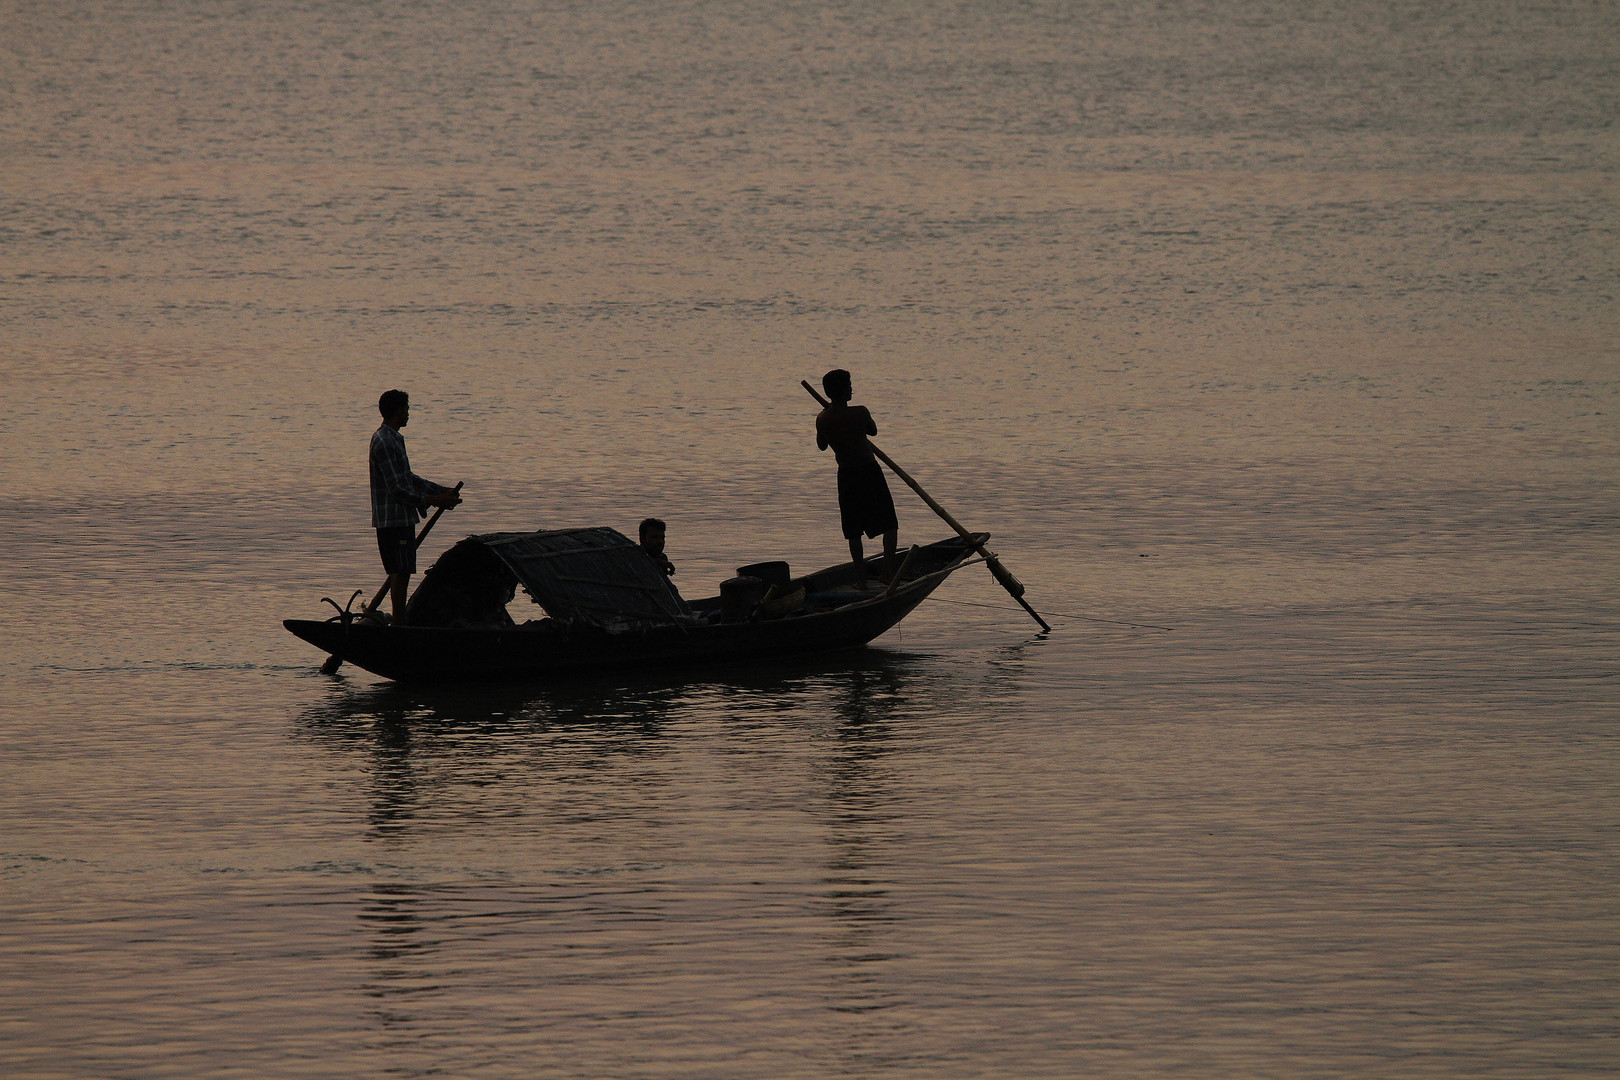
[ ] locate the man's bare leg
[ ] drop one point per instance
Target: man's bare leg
(857, 555)
(891, 541)
(397, 585)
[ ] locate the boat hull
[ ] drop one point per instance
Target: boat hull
(550, 649)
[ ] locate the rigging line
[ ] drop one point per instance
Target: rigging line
(1062, 615)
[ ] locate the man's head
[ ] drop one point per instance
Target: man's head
(836, 384)
(395, 405)
(652, 535)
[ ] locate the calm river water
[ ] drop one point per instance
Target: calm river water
(1274, 342)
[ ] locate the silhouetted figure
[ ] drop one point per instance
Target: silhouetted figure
(651, 534)
(864, 502)
(398, 496)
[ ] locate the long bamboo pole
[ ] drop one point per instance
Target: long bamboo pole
(335, 661)
(1003, 576)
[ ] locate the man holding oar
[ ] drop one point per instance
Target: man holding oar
(864, 502)
(1003, 576)
(398, 496)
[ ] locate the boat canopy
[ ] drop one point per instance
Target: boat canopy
(594, 576)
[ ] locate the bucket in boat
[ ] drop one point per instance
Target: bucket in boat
(739, 596)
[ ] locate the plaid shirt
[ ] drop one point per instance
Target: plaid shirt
(397, 494)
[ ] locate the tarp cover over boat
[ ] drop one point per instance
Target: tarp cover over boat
(595, 576)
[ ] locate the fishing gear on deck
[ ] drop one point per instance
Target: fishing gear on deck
(344, 615)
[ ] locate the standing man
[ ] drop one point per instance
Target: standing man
(398, 496)
(864, 502)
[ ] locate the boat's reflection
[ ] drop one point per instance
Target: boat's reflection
(358, 712)
(609, 768)
(859, 898)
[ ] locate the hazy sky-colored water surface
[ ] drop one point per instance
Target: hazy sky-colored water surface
(1274, 343)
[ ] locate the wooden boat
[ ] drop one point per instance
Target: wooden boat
(607, 606)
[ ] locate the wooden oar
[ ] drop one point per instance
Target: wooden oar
(1003, 576)
(335, 661)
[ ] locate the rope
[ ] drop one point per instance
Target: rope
(1060, 615)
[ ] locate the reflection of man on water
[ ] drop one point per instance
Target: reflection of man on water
(398, 496)
(864, 502)
(652, 542)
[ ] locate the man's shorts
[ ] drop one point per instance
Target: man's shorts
(397, 545)
(864, 502)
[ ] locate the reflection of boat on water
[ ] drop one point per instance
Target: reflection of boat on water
(608, 607)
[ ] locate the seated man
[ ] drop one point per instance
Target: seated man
(652, 542)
